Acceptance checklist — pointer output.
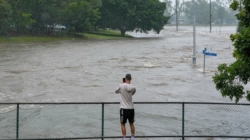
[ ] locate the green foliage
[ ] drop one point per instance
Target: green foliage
(234, 5)
(47, 12)
(21, 15)
(5, 13)
(230, 80)
(35, 16)
(82, 14)
(24, 21)
(129, 15)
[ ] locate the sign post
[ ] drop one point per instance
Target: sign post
(204, 63)
(176, 12)
(208, 54)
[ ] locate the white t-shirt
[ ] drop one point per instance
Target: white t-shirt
(126, 91)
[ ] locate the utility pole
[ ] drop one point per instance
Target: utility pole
(210, 17)
(176, 12)
(194, 42)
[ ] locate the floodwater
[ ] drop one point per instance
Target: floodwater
(89, 71)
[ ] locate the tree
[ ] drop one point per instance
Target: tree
(47, 12)
(21, 17)
(178, 9)
(221, 14)
(5, 13)
(169, 8)
(230, 17)
(83, 14)
(200, 8)
(33, 15)
(130, 15)
(38, 16)
(230, 79)
(191, 8)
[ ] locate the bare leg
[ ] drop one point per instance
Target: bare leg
(123, 129)
(132, 128)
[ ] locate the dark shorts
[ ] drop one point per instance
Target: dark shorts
(127, 114)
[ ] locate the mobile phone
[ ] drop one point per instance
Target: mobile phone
(123, 79)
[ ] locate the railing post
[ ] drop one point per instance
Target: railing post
(17, 121)
(102, 120)
(183, 111)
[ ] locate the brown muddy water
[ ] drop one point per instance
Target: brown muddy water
(89, 71)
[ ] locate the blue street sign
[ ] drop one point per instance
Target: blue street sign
(210, 54)
(204, 51)
(207, 53)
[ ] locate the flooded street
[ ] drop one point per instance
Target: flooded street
(89, 71)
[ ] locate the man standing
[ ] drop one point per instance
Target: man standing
(127, 112)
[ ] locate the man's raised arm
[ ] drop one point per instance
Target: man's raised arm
(118, 90)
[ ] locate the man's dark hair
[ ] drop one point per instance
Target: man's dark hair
(128, 77)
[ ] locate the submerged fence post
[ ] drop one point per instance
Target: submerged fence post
(183, 111)
(102, 120)
(17, 121)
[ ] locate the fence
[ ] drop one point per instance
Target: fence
(101, 120)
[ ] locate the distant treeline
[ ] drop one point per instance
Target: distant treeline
(43, 17)
(221, 13)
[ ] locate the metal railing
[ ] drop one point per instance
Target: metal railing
(101, 120)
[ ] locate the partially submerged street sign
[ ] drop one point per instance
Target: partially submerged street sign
(208, 54)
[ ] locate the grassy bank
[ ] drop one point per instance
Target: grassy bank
(108, 33)
(101, 34)
(29, 39)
